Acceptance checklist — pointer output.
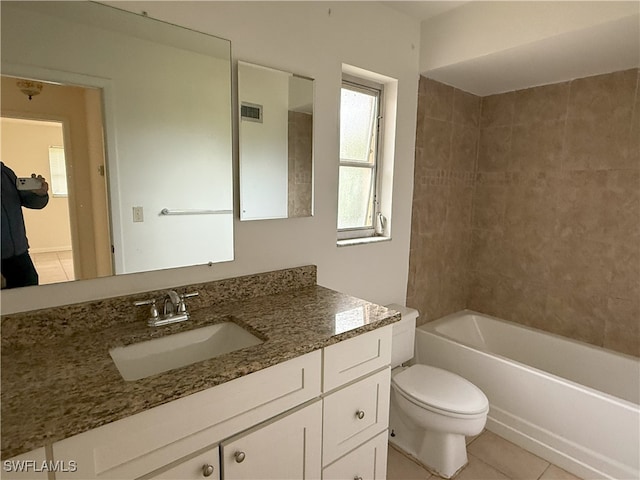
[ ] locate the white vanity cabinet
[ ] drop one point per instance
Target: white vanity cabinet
(286, 448)
(142, 445)
(321, 415)
(356, 383)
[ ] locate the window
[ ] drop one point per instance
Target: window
(358, 190)
(58, 172)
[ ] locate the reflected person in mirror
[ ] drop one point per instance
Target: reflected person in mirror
(17, 267)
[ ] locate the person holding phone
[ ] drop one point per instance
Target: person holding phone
(17, 267)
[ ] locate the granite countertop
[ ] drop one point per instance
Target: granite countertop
(61, 387)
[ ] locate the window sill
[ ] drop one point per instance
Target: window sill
(362, 241)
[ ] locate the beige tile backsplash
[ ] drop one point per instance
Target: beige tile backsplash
(527, 206)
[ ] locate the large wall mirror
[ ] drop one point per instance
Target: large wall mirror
(276, 143)
(139, 113)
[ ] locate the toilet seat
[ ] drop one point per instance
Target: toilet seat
(440, 391)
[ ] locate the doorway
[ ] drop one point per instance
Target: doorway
(59, 134)
(35, 146)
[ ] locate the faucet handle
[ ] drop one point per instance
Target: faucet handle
(153, 312)
(182, 305)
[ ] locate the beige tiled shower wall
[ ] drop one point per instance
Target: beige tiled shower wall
(300, 147)
(554, 238)
(446, 144)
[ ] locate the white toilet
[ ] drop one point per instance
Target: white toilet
(432, 410)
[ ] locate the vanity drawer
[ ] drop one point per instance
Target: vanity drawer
(143, 443)
(354, 414)
(356, 357)
(367, 462)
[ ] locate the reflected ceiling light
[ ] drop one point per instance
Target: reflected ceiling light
(30, 88)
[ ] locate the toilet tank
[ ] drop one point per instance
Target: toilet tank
(404, 333)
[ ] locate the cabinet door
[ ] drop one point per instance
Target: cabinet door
(287, 448)
(203, 466)
(367, 462)
(28, 466)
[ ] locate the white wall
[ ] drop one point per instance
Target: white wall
(164, 172)
(264, 145)
(312, 39)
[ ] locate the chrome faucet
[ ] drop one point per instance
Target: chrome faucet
(174, 309)
(171, 302)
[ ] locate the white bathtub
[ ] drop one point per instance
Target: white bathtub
(574, 404)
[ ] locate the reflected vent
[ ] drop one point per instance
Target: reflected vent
(251, 112)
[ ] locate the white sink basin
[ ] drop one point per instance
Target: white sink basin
(144, 359)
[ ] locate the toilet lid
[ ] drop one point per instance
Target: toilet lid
(441, 389)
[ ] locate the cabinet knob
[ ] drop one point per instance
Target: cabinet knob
(357, 478)
(239, 456)
(360, 414)
(207, 470)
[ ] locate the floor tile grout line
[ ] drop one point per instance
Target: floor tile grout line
(545, 471)
(492, 466)
(411, 459)
(518, 447)
(475, 457)
(476, 437)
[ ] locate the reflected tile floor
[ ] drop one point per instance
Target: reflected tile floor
(490, 458)
(53, 267)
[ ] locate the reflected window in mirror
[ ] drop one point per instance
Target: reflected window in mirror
(165, 144)
(276, 143)
(58, 172)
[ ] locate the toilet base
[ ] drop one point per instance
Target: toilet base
(442, 454)
(445, 454)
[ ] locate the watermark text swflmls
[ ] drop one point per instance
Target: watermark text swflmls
(37, 466)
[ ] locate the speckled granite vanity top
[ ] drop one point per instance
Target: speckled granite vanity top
(59, 380)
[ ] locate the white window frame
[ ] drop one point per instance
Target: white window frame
(367, 86)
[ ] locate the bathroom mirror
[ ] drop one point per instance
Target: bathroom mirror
(276, 143)
(159, 158)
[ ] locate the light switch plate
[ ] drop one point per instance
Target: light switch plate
(138, 215)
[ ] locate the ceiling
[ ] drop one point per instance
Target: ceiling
(480, 46)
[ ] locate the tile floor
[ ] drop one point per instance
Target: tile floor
(54, 267)
(490, 458)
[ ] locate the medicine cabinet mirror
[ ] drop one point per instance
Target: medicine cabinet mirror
(276, 143)
(150, 180)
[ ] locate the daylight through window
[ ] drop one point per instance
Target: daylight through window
(359, 132)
